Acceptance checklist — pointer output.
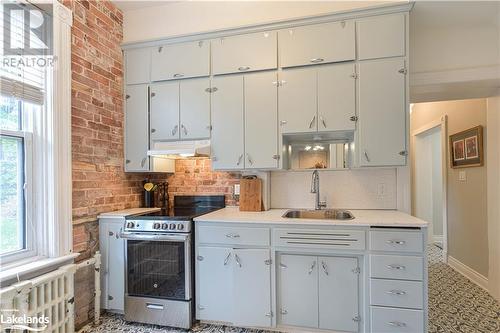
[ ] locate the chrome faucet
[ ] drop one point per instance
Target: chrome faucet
(315, 189)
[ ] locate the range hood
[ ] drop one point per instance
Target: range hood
(180, 149)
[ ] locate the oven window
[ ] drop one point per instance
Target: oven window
(156, 269)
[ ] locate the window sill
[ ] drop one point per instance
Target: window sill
(32, 268)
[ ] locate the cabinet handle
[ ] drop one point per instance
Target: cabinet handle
(396, 292)
(312, 121)
(237, 260)
(243, 68)
(178, 75)
(312, 267)
(325, 269)
(184, 129)
(232, 236)
(117, 236)
(239, 159)
(317, 60)
(226, 261)
(154, 306)
(396, 242)
(249, 159)
(367, 157)
(396, 324)
(323, 121)
(174, 130)
(398, 267)
(143, 162)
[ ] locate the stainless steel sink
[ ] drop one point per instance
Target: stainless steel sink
(323, 214)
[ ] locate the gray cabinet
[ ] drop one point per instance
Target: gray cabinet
(243, 53)
(183, 60)
(136, 128)
(317, 43)
(137, 65)
(381, 36)
(165, 111)
(382, 112)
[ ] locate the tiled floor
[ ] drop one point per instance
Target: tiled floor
(456, 305)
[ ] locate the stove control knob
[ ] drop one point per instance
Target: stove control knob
(172, 226)
(130, 225)
(156, 226)
(180, 226)
(164, 226)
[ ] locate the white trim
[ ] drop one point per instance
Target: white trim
(485, 73)
(468, 272)
(279, 24)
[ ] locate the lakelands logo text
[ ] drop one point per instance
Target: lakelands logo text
(23, 322)
(27, 36)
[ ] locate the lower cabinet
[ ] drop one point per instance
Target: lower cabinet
(234, 285)
(319, 292)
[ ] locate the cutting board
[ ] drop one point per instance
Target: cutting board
(251, 195)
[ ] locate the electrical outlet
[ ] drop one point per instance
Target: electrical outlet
(236, 189)
(462, 176)
(381, 189)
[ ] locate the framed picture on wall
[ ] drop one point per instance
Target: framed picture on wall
(466, 148)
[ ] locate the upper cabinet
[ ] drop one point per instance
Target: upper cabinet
(175, 61)
(136, 128)
(244, 53)
(318, 43)
(381, 36)
(137, 65)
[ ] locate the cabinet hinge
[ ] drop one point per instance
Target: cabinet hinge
(127, 96)
(342, 24)
(153, 94)
(356, 319)
(110, 233)
(356, 270)
(209, 127)
(283, 311)
(353, 118)
(201, 307)
(200, 258)
(403, 71)
(270, 314)
(403, 153)
(268, 261)
(127, 161)
(110, 298)
(159, 49)
(283, 265)
(276, 157)
(354, 76)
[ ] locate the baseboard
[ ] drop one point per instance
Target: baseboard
(468, 272)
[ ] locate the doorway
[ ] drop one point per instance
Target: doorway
(429, 180)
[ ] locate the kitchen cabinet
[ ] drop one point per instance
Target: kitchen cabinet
(382, 112)
(319, 98)
(317, 43)
(244, 53)
(319, 292)
(137, 65)
(225, 277)
(244, 120)
(182, 60)
(136, 128)
(227, 140)
(180, 110)
(381, 36)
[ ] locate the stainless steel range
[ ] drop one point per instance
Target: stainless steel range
(159, 260)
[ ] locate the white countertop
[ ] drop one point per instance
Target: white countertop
(389, 218)
(127, 212)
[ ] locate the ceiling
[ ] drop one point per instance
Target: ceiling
(128, 5)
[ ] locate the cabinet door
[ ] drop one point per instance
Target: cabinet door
(261, 121)
(116, 264)
(338, 294)
(214, 271)
(182, 60)
(137, 65)
(136, 128)
(252, 288)
(231, 54)
(318, 43)
(336, 97)
(297, 100)
(298, 291)
(227, 123)
(165, 111)
(104, 249)
(382, 113)
(195, 109)
(381, 36)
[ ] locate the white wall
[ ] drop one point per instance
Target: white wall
(350, 189)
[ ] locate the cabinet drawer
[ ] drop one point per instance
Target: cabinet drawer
(233, 55)
(324, 239)
(396, 320)
(396, 241)
(396, 267)
(233, 235)
(401, 294)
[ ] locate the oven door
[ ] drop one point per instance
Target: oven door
(158, 266)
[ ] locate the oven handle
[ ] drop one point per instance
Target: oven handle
(155, 237)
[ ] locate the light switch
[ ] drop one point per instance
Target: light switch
(462, 176)
(381, 189)
(236, 189)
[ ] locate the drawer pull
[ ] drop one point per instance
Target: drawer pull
(398, 267)
(396, 242)
(396, 292)
(243, 68)
(232, 236)
(317, 60)
(154, 306)
(396, 324)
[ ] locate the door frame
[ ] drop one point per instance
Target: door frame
(441, 122)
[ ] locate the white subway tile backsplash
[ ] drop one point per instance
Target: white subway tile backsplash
(350, 189)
